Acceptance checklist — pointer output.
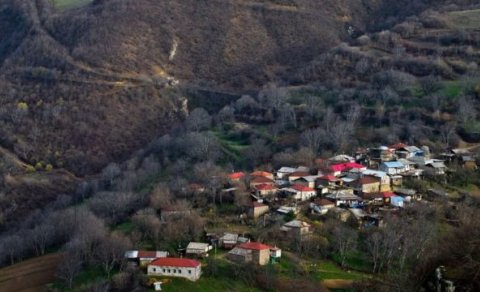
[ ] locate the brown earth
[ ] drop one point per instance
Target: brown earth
(30, 275)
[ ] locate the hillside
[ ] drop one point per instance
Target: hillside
(85, 83)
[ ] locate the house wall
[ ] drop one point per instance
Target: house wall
(259, 211)
(302, 196)
(261, 257)
(191, 274)
(371, 188)
(241, 259)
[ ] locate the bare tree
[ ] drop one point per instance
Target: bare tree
(273, 96)
(110, 251)
(198, 120)
(466, 111)
(40, 237)
(312, 138)
(202, 146)
(69, 268)
(344, 240)
(447, 132)
(110, 172)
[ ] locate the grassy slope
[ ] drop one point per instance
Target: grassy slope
(66, 4)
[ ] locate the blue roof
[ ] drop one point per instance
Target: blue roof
(393, 164)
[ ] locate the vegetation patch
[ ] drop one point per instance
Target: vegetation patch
(467, 19)
(67, 4)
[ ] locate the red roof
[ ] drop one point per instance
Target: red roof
(147, 254)
(254, 246)
(261, 173)
(236, 175)
(346, 166)
(398, 146)
(265, 187)
(175, 262)
(261, 180)
(388, 194)
(302, 188)
(328, 177)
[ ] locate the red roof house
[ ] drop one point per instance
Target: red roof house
(236, 176)
(175, 267)
(256, 252)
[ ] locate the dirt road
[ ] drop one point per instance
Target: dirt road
(30, 275)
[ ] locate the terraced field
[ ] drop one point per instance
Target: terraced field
(30, 275)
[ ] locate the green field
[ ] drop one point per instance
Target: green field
(67, 4)
(207, 284)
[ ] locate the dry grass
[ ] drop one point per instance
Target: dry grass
(467, 19)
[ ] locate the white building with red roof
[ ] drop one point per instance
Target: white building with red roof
(255, 252)
(266, 189)
(300, 192)
(175, 267)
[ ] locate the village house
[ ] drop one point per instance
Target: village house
(255, 252)
(375, 199)
(300, 192)
(144, 257)
(380, 154)
(341, 198)
(308, 181)
(411, 169)
(265, 189)
(236, 176)
(367, 184)
(408, 194)
(198, 249)
(284, 210)
(324, 203)
(260, 180)
(409, 152)
(338, 169)
(296, 175)
(385, 180)
(257, 209)
(228, 240)
(434, 167)
(175, 267)
(284, 172)
(328, 181)
(296, 228)
(468, 162)
(260, 173)
(392, 167)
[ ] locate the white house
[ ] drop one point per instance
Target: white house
(301, 192)
(392, 167)
(175, 267)
(284, 172)
(198, 248)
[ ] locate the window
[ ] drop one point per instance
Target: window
(164, 270)
(179, 271)
(190, 272)
(168, 270)
(174, 271)
(154, 269)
